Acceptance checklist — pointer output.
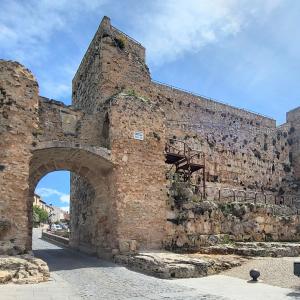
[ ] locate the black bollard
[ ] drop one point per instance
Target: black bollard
(254, 274)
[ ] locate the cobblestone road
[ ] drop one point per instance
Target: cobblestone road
(76, 276)
(92, 278)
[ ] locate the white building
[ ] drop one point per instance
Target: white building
(42, 204)
(57, 214)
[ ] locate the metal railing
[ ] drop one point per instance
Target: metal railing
(225, 195)
(215, 101)
(182, 148)
(127, 36)
(188, 159)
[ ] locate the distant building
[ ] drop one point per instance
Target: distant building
(67, 216)
(57, 214)
(42, 204)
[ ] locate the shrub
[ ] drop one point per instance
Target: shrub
(39, 215)
(120, 43)
(156, 135)
(131, 93)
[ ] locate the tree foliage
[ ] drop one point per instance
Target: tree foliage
(39, 214)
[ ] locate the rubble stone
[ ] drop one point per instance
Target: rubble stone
(169, 265)
(23, 269)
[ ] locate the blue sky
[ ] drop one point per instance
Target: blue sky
(245, 53)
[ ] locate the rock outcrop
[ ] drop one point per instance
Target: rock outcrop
(23, 269)
(169, 265)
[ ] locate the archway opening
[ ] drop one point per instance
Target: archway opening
(51, 204)
(66, 215)
(84, 187)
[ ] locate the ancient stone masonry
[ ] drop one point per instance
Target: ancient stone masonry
(18, 121)
(234, 140)
(293, 118)
(140, 187)
(124, 197)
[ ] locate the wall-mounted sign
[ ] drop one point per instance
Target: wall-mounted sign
(138, 135)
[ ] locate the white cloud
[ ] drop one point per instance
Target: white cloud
(28, 34)
(65, 198)
(48, 192)
(168, 29)
(65, 208)
(56, 90)
(27, 26)
(57, 84)
(174, 28)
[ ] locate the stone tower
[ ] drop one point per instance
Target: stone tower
(112, 70)
(293, 117)
(114, 62)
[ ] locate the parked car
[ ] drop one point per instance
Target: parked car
(56, 227)
(64, 226)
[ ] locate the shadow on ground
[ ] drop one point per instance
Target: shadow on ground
(59, 259)
(295, 295)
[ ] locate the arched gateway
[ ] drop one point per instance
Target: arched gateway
(90, 163)
(113, 138)
(112, 177)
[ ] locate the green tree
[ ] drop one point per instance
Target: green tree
(39, 214)
(35, 219)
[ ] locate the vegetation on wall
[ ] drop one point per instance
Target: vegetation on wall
(120, 42)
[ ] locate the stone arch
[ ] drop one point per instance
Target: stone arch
(91, 163)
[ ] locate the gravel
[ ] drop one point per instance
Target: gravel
(274, 271)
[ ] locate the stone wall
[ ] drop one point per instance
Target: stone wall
(241, 152)
(139, 192)
(112, 61)
(59, 122)
(18, 122)
(293, 117)
(134, 215)
(113, 139)
(38, 136)
(244, 150)
(193, 223)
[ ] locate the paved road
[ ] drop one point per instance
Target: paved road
(92, 278)
(78, 276)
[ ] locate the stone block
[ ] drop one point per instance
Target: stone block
(5, 276)
(124, 246)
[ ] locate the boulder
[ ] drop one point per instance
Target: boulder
(23, 269)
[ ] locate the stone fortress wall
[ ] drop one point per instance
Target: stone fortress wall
(293, 118)
(18, 121)
(122, 195)
(244, 151)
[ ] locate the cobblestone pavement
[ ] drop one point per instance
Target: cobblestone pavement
(274, 271)
(78, 276)
(92, 278)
